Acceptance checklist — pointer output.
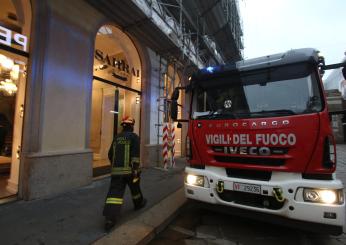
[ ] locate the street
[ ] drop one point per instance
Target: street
(196, 225)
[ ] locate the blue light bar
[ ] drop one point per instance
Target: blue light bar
(210, 69)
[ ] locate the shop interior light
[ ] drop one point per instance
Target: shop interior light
(3, 59)
(7, 63)
(137, 100)
(9, 72)
(9, 86)
(15, 72)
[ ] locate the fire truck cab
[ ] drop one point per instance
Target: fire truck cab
(259, 139)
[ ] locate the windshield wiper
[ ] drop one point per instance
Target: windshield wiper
(219, 114)
(203, 116)
(224, 113)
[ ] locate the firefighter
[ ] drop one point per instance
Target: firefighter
(124, 157)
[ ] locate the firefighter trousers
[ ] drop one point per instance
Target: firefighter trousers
(114, 199)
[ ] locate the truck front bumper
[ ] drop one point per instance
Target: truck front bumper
(285, 194)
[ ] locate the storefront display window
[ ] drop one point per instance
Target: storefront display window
(116, 91)
(15, 21)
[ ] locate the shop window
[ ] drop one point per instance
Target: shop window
(15, 19)
(116, 91)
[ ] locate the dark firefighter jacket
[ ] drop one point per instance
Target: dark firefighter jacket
(124, 153)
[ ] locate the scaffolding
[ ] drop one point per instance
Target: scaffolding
(190, 25)
(167, 83)
(194, 37)
(205, 32)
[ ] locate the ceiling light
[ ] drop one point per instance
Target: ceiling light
(8, 86)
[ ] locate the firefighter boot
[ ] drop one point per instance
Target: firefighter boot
(109, 225)
(142, 205)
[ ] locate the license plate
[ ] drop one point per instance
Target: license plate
(256, 189)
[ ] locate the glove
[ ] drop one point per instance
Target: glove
(135, 172)
(135, 175)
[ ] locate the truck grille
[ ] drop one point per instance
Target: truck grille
(248, 174)
(249, 199)
(251, 160)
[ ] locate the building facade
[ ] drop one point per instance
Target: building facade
(336, 104)
(335, 81)
(335, 87)
(70, 72)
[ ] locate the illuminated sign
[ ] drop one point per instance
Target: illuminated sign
(8, 37)
(118, 65)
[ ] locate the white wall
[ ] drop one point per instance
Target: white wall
(154, 95)
(65, 90)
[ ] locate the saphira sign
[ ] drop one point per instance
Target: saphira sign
(118, 64)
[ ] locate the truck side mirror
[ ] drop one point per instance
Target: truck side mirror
(174, 109)
(344, 72)
(174, 104)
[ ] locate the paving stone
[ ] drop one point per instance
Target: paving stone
(222, 242)
(189, 217)
(195, 242)
(208, 232)
(176, 234)
(161, 241)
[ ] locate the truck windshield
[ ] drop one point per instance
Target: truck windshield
(264, 94)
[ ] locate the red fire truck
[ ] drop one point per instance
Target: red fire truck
(259, 140)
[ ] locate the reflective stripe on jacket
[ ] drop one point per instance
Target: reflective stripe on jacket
(124, 153)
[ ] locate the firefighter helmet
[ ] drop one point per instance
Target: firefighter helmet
(127, 120)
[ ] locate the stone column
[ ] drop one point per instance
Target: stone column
(55, 156)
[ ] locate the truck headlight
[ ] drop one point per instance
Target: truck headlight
(323, 196)
(197, 180)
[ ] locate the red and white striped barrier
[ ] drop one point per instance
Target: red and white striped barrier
(172, 144)
(165, 145)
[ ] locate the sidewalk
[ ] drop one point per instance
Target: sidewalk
(76, 217)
